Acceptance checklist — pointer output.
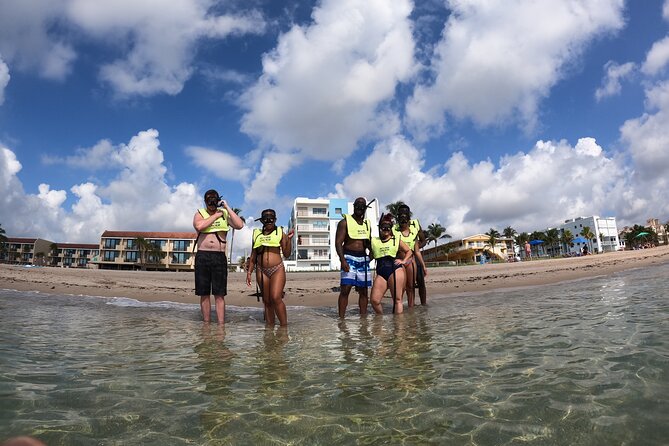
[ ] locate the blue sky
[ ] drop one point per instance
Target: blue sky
(479, 114)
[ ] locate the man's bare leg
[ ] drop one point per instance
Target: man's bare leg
(363, 300)
(205, 306)
(220, 309)
(344, 291)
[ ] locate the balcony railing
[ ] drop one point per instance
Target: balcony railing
(312, 228)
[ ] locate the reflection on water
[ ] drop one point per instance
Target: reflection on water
(578, 363)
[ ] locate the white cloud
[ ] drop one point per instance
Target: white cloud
(550, 183)
(498, 59)
(657, 57)
(322, 86)
(648, 138)
(665, 10)
(611, 82)
(4, 79)
(274, 165)
(220, 164)
(138, 198)
(101, 156)
(27, 42)
(162, 40)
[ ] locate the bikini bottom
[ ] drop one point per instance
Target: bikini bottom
(269, 271)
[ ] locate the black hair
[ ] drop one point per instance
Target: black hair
(211, 192)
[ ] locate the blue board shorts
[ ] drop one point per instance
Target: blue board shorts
(358, 274)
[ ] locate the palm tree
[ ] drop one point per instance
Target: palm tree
(552, 239)
(493, 236)
(567, 238)
(666, 233)
(143, 247)
(3, 239)
(394, 207)
(232, 233)
(54, 254)
(435, 231)
(588, 234)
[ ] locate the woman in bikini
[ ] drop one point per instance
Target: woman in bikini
(409, 232)
(390, 254)
(268, 245)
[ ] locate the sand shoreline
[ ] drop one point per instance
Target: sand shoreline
(318, 289)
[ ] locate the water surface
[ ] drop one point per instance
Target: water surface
(579, 363)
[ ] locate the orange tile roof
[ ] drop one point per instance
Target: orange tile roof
(161, 235)
(79, 245)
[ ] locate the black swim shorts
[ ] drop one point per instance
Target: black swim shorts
(211, 273)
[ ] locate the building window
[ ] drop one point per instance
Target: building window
(181, 245)
(320, 211)
(111, 243)
(110, 256)
(337, 211)
(131, 256)
(302, 254)
(82, 262)
(320, 225)
(180, 258)
(131, 244)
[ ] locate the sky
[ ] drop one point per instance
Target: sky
(479, 114)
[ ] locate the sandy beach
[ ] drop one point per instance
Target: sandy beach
(319, 289)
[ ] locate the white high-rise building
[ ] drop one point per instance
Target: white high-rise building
(315, 223)
(604, 229)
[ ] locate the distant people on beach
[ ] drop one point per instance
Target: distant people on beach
(584, 250)
(351, 243)
(211, 264)
(268, 245)
(528, 250)
(409, 231)
(391, 254)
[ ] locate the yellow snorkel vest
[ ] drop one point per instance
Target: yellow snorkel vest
(219, 225)
(271, 240)
(410, 239)
(388, 248)
(357, 231)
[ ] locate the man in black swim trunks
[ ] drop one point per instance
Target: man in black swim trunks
(211, 265)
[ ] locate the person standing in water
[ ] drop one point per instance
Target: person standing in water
(211, 264)
(268, 244)
(409, 232)
(390, 254)
(351, 242)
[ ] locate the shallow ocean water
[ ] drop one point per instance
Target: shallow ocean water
(578, 363)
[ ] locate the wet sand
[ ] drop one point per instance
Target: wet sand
(320, 289)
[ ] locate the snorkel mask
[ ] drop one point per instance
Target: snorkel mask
(403, 214)
(268, 217)
(211, 198)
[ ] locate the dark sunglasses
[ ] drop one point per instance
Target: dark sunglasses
(385, 228)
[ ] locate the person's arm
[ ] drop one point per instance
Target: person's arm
(419, 257)
(200, 223)
(234, 220)
(340, 238)
(287, 243)
(405, 252)
(421, 238)
(252, 264)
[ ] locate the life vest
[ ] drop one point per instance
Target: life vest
(357, 231)
(272, 240)
(414, 229)
(388, 248)
(219, 225)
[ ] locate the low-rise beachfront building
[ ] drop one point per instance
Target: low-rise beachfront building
(315, 223)
(472, 249)
(73, 255)
(154, 251)
(659, 229)
(25, 251)
(604, 230)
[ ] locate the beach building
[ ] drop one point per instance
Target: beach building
(472, 249)
(655, 225)
(25, 251)
(163, 251)
(605, 234)
(73, 255)
(315, 223)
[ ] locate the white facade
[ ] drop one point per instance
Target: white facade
(604, 229)
(315, 223)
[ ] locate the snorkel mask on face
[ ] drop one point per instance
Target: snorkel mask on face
(211, 198)
(403, 214)
(268, 217)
